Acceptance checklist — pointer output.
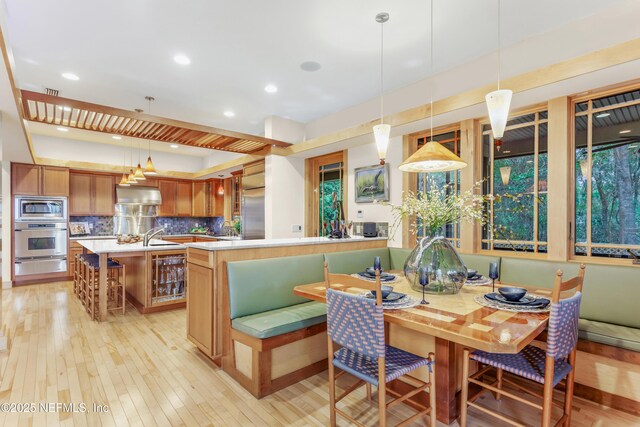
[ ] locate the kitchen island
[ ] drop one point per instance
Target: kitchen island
(208, 318)
(155, 274)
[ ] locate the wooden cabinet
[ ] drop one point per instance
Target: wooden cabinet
(186, 239)
(91, 194)
(200, 308)
(176, 198)
(55, 181)
(33, 180)
(200, 198)
(216, 201)
(79, 194)
(104, 195)
(183, 198)
(168, 194)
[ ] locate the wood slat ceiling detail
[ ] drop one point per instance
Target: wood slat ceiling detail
(55, 110)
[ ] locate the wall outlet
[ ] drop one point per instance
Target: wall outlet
(360, 214)
(296, 228)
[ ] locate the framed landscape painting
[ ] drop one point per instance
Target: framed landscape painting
(372, 184)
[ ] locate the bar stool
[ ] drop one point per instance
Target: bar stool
(76, 278)
(116, 286)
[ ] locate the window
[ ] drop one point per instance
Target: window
(451, 179)
(607, 175)
(516, 175)
(325, 194)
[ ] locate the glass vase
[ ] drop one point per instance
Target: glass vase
(447, 272)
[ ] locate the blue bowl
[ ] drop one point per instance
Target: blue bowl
(512, 294)
(371, 271)
(386, 290)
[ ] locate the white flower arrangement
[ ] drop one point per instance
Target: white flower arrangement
(439, 206)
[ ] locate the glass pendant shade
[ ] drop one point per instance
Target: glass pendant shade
(132, 177)
(139, 174)
(505, 174)
(124, 181)
(498, 103)
(220, 189)
(584, 168)
(381, 134)
(432, 157)
(150, 169)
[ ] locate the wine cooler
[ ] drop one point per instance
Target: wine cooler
(169, 279)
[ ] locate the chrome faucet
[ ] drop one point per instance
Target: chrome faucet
(151, 234)
(228, 229)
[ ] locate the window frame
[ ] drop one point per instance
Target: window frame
(536, 243)
(589, 112)
(413, 183)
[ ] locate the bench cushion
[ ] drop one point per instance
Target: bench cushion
(280, 321)
(480, 263)
(606, 333)
(350, 262)
(610, 293)
(256, 286)
(397, 258)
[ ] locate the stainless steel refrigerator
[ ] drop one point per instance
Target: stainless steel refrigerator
(253, 206)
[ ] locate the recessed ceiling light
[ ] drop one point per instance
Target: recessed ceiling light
(601, 115)
(182, 59)
(626, 131)
(63, 129)
(116, 137)
(70, 76)
(174, 146)
(310, 66)
(229, 113)
(64, 108)
(270, 88)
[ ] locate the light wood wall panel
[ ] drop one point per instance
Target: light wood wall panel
(559, 180)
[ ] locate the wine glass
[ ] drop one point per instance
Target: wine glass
(424, 281)
(493, 274)
(376, 264)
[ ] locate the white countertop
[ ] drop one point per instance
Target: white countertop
(99, 246)
(205, 236)
(261, 243)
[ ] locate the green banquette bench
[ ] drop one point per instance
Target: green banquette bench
(267, 317)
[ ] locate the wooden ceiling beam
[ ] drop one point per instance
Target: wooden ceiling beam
(56, 100)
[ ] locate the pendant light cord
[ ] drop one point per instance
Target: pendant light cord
(431, 71)
(381, 73)
(499, 45)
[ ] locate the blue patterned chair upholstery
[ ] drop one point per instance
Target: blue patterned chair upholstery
(356, 323)
(547, 367)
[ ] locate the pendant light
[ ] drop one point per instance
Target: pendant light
(505, 174)
(498, 101)
(381, 132)
(124, 181)
(433, 156)
(139, 173)
(221, 187)
(131, 179)
(149, 169)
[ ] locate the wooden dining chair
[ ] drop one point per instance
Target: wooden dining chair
(356, 323)
(548, 367)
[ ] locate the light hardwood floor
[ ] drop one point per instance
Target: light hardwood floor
(148, 374)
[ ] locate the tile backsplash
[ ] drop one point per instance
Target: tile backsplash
(103, 225)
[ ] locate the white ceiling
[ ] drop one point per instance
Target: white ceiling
(123, 50)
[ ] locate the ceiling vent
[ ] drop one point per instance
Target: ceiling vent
(49, 91)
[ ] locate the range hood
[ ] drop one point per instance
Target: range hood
(138, 195)
(136, 209)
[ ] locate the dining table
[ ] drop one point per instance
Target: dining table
(453, 320)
